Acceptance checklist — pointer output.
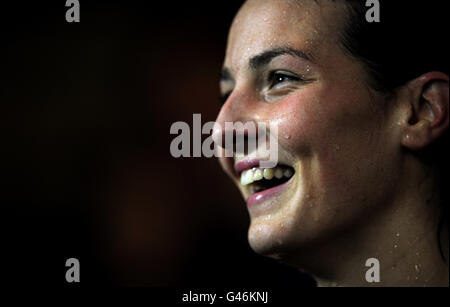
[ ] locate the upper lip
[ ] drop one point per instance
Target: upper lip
(245, 164)
(249, 163)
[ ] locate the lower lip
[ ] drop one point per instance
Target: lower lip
(259, 197)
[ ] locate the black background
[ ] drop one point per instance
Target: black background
(86, 170)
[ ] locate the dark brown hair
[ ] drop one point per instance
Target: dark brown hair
(406, 43)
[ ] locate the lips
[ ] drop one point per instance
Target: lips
(262, 183)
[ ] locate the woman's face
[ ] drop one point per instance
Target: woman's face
(284, 66)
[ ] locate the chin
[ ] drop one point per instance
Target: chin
(271, 237)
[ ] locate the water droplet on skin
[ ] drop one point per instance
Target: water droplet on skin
(397, 235)
(395, 245)
(309, 42)
(417, 268)
(286, 135)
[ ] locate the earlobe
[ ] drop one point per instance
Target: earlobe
(418, 135)
(429, 110)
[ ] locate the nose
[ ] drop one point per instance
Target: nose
(235, 124)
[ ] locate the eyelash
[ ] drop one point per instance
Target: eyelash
(275, 76)
(272, 79)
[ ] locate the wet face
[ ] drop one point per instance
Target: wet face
(337, 158)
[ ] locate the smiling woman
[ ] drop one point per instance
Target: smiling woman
(358, 174)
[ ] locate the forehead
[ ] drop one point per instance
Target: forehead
(309, 25)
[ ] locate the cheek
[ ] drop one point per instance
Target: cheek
(328, 122)
(304, 122)
(336, 137)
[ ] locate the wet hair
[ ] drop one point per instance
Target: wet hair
(406, 43)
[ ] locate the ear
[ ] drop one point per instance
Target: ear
(428, 110)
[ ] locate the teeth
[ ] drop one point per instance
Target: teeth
(288, 173)
(243, 182)
(256, 174)
(268, 173)
(251, 189)
(247, 177)
(278, 173)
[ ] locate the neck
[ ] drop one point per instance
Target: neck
(408, 254)
(403, 238)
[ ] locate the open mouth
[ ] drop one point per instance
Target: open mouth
(259, 179)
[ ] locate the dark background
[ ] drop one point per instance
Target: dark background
(86, 170)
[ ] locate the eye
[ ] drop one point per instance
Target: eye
(277, 77)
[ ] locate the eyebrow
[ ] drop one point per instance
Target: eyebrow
(265, 57)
